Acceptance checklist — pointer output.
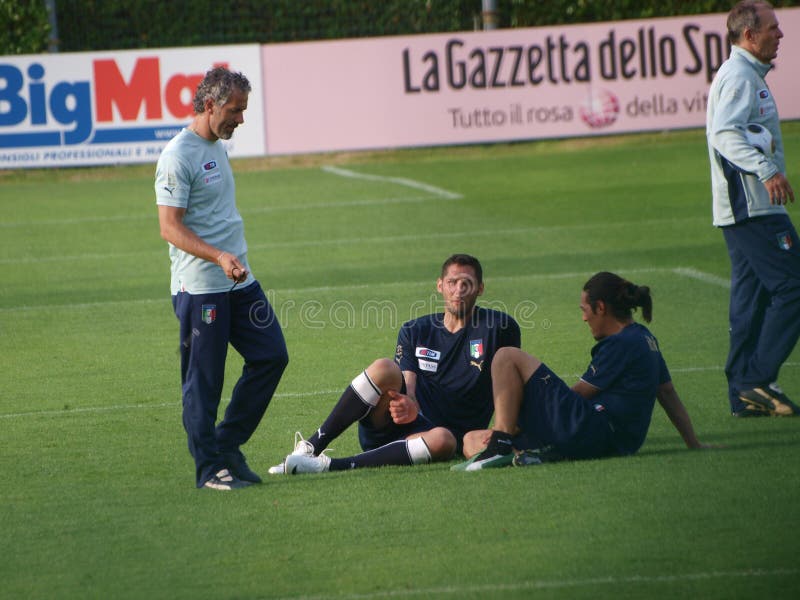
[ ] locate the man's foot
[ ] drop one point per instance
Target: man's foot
(224, 480)
(750, 410)
(776, 391)
(537, 456)
(770, 399)
(499, 453)
(297, 463)
(301, 448)
(238, 467)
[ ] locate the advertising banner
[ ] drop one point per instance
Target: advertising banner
(474, 87)
(113, 107)
(503, 85)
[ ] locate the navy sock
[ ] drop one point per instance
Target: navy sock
(394, 453)
(499, 444)
(349, 409)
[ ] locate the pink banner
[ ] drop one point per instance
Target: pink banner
(503, 85)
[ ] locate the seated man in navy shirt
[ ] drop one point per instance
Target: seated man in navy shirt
(417, 408)
(606, 413)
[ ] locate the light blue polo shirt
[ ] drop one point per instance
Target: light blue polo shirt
(194, 173)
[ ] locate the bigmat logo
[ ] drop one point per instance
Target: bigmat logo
(61, 115)
(89, 108)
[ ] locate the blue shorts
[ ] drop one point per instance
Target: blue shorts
(553, 414)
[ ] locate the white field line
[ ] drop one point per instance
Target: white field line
(344, 204)
(436, 192)
(383, 239)
(412, 183)
(704, 277)
(491, 589)
(65, 412)
(680, 271)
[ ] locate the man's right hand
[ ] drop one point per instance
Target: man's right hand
(234, 270)
(402, 408)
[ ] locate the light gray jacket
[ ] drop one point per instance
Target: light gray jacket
(739, 95)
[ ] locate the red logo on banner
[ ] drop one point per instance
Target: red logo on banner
(601, 110)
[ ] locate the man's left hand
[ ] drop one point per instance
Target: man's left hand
(780, 192)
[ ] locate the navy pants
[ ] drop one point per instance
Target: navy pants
(764, 312)
(208, 323)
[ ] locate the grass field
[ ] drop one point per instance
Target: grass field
(97, 497)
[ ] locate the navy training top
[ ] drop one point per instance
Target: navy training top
(454, 386)
(627, 368)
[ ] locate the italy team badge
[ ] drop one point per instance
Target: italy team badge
(785, 241)
(476, 348)
(208, 313)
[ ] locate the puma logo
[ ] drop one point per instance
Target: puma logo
(477, 365)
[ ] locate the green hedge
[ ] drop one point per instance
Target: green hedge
(24, 28)
(122, 24)
(524, 13)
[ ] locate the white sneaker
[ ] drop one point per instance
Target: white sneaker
(296, 464)
(301, 448)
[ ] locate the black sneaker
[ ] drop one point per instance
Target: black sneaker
(770, 399)
(238, 466)
(775, 391)
(223, 480)
(499, 453)
(537, 456)
(750, 410)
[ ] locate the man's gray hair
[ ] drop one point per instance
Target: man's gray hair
(218, 85)
(744, 16)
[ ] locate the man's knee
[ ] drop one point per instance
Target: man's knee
(281, 361)
(441, 443)
(385, 374)
(508, 356)
(509, 359)
(272, 366)
(505, 355)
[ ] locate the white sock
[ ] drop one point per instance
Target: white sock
(418, 451)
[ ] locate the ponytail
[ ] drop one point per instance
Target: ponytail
(620, 296)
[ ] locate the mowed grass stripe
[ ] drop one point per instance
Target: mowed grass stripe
(271, 293)
(433, 194)
(278, 395)
(381, 240)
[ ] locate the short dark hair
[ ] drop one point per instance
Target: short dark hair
(744, 16)
(218, 85)
(619, 295)
(464, 260)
